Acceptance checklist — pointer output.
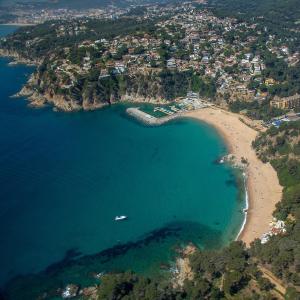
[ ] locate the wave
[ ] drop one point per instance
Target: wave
(245, 210)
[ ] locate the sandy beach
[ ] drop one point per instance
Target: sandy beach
(262, 181)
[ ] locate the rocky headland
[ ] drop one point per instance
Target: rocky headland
(41, 90)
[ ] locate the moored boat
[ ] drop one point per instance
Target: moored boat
(121, 218)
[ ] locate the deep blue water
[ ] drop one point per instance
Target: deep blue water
(65, 176)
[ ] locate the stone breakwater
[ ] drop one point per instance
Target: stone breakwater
(148, 119)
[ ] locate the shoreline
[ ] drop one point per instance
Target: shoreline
(262, 188)
(17, 24)
(59, 103)
(246, 207)
(238, 136)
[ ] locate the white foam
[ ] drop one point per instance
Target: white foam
(246, 207)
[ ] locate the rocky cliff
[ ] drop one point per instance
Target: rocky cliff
(86, 94)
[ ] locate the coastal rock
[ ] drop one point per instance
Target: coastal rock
(36, 100)
(183, 267)
(92, 102)
(24, 92)
(45, 87)
(61, 102)
(70, 291)
(17, 58)
(41, 89)
(69, 104)
(90, 292)
(234, 161)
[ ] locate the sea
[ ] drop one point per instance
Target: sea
(65, 176)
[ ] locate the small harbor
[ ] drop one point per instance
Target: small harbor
(149, 119)
(163, 114)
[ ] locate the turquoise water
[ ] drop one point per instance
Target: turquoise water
(65, 176)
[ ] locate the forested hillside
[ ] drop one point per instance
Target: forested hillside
(225, 274)
(275, 16)
(280, 147)
(88, 63)
(78, 69)
(45, 39)
(287, 11)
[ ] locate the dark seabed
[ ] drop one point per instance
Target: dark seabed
(65, 176)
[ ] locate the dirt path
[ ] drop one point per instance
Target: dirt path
(279, 286)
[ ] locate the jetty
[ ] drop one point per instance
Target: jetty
(148, 119)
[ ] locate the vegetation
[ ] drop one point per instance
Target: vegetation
(287, 77)
(57, 44)
(225, 274)
(166, 85)
(47, 39)
(282, 253)
(276, 18)
(234, 272)
(277, 14)
(256, 110)
(131, 286)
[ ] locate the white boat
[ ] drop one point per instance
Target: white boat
(121, 218)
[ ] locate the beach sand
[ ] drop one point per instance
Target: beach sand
(262, 181)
